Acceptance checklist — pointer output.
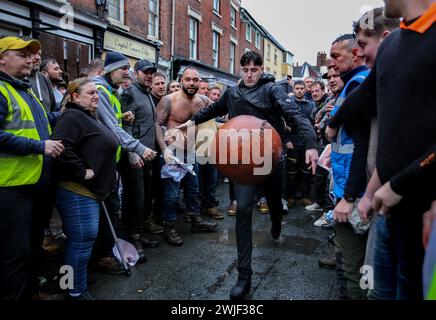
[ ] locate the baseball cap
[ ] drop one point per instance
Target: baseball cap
(144, 65)
(14, 43)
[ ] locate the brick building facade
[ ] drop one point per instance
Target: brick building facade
(209, 34)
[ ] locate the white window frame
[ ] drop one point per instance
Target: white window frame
(232, 57)
(121, 12)
(216, 6)
(193, 43)
(155, 17)
(257, 40)
(215, 49)
(233, 22)
(248, 32)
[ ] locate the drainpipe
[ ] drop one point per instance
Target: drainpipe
(173, 17)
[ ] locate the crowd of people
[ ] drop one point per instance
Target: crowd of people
(359, 150)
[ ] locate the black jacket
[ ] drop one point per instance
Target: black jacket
(136, 99)
(266, 101)
(88, 144)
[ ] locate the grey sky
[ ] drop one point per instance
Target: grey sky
(305, 27)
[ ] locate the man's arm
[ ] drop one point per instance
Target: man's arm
(360, 104)
(163, 111)
(415, 175)
(127, 104)
(216, 109)
(107, 115)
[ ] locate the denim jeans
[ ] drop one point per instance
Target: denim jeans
(171, 193)
(80, 216)
(245, 196)
(398, 259)
(208, 179)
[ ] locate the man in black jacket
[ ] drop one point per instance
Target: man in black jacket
(137, 182)
(259, 96)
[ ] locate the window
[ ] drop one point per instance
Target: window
(233, 17)
(275, 56)
(193, 32)
(153, 18)
(215, 48)
(248, 32)
(275, 74)
(257, 40)
(232, 57)
(116, 10)
(216, 6)
(268, 52)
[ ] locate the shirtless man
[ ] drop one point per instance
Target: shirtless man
(173, 110)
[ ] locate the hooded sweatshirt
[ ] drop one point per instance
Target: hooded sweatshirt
(44, 92)
(107, 115)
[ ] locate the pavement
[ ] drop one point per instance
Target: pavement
(204, 268)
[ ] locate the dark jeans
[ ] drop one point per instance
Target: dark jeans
(321, 187)
(157, 191)
(80, 216)
(23, 215)
(398, 258)
(208, 179)
(245, 196)
(299, 177)
(231, 191)
(136, 197)
(172, 192)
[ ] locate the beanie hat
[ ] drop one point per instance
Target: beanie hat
(114, 61)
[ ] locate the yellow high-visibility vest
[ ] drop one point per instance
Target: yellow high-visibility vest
(19, 170)
(116, 105)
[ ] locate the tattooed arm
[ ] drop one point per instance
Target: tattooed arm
(163, 111)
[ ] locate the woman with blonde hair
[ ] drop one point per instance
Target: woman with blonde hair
(84, 173)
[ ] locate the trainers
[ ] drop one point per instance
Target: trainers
(313, 207)
(263, 206)
(285, 207)
(171, 236)
(187, 218)
(214, 213)
(233, 207)
(321, 221)
(110, 265)
(226, 180)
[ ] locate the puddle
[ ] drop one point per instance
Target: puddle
(262, 239)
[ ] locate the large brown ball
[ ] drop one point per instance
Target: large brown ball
(246, 149)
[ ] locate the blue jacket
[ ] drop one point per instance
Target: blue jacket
(342, 145)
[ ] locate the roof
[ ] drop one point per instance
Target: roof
(251, 19)
(299, 71)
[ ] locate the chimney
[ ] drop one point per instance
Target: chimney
(321, 59)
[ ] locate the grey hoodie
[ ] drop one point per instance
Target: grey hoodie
(107, 115)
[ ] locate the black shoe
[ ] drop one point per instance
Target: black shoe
(240, 289)
(137, 243)
(276, 229)
(328, 226)
(147, 243)
(198, 224)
